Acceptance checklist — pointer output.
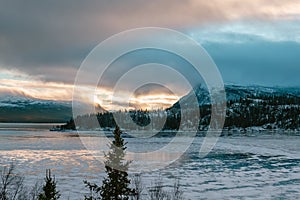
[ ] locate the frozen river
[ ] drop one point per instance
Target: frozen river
(253, 166)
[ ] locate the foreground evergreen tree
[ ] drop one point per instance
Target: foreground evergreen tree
(49, 189)
(116, 185)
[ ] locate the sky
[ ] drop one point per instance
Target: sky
(43, 43)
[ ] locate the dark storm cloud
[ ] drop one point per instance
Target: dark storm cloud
(139, 57)
(36, 36)
(50, 39)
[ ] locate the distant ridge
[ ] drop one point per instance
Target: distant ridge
(25, 109)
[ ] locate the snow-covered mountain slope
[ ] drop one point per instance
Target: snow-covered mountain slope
(18, 108)
(235, 92)
(19, 101)
(25, 109)
(253, 106)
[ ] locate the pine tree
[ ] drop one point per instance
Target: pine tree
(49, 189)
(116, 184)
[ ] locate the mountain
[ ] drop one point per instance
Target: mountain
(250, 106)
(235, 92)
(25, 109)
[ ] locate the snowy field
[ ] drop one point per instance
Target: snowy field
(252, 166)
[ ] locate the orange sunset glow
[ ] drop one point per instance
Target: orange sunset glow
(22, 84)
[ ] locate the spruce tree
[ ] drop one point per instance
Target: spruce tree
(49, 189)
(116, 184)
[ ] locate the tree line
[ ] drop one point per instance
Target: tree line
(267, 111)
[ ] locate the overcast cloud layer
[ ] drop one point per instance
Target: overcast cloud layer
(48, 40)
